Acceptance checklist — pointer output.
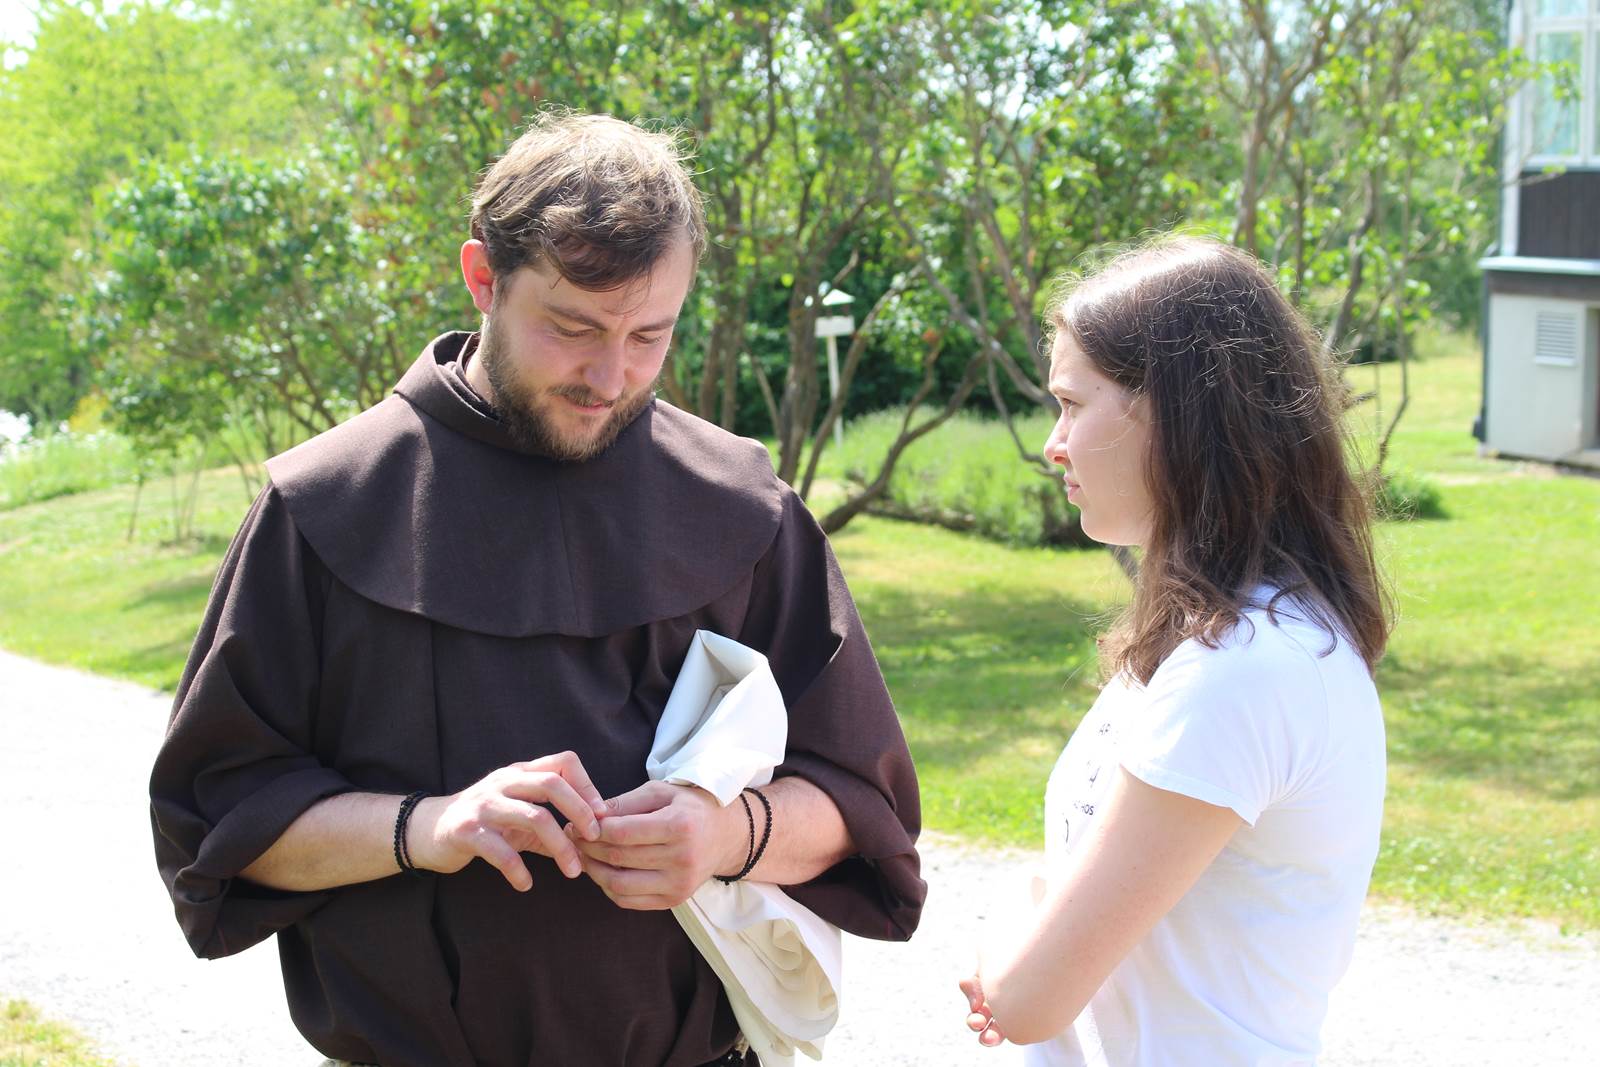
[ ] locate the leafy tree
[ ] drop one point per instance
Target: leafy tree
(1369, 151)
(284, 184)
(235, 290)
(791, 122)
(99, 92)
(1045, 130)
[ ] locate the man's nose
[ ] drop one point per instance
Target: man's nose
(606, 373)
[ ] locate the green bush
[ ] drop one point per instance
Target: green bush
(56, 464)
(967, 475)
(1404, 495)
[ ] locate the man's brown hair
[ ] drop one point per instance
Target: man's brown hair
(598, 199)
(1248, 466)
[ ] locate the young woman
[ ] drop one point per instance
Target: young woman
(1212, 823)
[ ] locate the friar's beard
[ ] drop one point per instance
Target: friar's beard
(525, 411)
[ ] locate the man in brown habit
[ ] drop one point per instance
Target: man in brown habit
(445, 632)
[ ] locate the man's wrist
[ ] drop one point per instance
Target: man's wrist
(738, 837)
(402, 831)
(420, 832)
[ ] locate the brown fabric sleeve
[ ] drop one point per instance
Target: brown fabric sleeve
(235, 769)
(844, 736)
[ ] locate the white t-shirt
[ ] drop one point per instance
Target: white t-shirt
(1290, 736)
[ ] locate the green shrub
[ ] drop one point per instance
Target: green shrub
(83, 455)
(968, 475)
(56, 464)
(1404, 495)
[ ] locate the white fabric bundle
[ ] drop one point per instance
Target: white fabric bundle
(724, 728)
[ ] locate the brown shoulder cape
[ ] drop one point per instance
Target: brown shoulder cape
(424, 504)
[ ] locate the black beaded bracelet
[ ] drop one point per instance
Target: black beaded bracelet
(402, 851)
(766, 835)
(749, 858)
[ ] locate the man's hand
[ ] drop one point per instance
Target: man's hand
(500, 816)
(660, 842)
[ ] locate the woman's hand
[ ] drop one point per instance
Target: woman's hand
(1142, 852)
(980, 1020)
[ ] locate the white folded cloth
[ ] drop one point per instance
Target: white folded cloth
(724, 728)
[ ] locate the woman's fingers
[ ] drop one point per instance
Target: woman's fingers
(978, 1017)
(979, 1020)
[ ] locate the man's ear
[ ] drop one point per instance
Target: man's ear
(478, 275)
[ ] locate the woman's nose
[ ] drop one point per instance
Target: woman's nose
(1055, 447)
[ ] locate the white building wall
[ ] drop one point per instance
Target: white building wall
(1541, 406)
(1514, 154)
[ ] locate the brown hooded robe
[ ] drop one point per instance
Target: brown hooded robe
(413, 601)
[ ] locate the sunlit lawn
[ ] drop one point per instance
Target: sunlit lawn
(74, 589)
(26, 1040)
(989, 653)
(1492, 687)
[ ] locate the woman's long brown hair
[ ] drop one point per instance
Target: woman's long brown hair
(1248, 467)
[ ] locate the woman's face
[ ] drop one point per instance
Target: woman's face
(1100, 441)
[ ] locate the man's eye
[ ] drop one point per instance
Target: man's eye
(571, 333)
(654, 338)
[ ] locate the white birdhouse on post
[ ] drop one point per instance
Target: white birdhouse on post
(831, 328)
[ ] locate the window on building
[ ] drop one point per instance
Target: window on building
(1565, 127)
(1593, 91)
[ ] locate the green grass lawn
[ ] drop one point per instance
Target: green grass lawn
(1491, 688)
(29, 1041)
(74, 589)
(989, 652)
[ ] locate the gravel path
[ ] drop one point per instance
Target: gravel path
(86, 932)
